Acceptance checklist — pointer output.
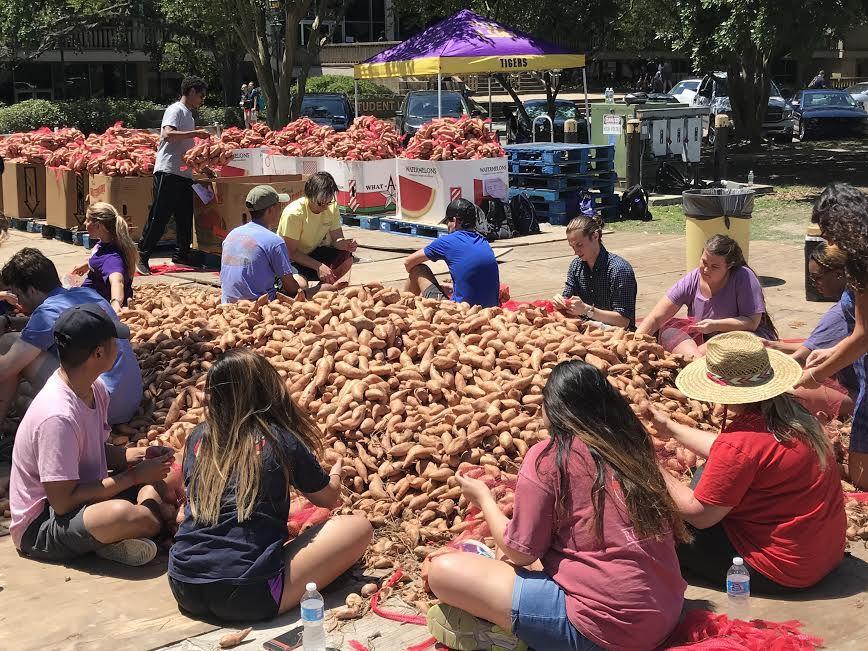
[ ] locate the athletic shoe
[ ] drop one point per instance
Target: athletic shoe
(183, 259)
(143, 267)
(460, 630)
(134, 552)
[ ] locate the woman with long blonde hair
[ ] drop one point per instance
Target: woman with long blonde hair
(770, 491)
(589, 553)
(112, 264)
(230, 559)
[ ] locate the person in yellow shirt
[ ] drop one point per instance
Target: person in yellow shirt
(311, 227)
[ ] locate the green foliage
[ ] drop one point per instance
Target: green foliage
(97, 115)
(229, 116)
(30, 115)
(342, 84)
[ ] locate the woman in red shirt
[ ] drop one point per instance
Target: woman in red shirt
(592, 516)
(770, 491)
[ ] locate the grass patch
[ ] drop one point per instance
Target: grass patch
(781, 217)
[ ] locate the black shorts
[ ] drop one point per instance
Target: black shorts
(53, 537)
(327, 255)
(253, 602)
(434, 291)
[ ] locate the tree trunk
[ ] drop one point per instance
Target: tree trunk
(503, 80)
(748, 85)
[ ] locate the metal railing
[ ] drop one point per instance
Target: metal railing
(845, 82)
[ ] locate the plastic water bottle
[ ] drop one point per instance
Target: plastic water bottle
(312, 615)
(610, 95)
(738, 590)
(750, 179)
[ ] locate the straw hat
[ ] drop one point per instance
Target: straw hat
(737, 369)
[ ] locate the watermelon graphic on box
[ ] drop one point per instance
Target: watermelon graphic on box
(416, 198)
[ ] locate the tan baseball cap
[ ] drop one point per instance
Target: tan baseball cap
(264, 196)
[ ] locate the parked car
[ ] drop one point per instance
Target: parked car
(779, 123)
(859, 92)
(331, 109)
(685, 90)
(829, 113)
(420, 106)
(518, 130)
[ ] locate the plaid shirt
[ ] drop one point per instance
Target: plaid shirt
(610, 285)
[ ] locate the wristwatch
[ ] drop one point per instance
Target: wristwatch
(589, 313)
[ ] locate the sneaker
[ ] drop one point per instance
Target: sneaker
(134, 552)
(460, 630)
(184, 259)
(143, 267)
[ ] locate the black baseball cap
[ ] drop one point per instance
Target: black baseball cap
(463, 211)
(87, 326)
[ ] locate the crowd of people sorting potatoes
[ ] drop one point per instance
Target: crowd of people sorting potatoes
(600, 537)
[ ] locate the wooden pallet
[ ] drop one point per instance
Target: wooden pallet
(606, 180)
(361, 221)
(563, 217)
(564, 201)
(398, 227)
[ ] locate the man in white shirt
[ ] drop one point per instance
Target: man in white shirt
(173, 184)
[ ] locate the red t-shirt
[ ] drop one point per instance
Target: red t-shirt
(622, 593)
(787, 519)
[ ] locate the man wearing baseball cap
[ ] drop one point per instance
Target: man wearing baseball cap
(61, 495)
(255, 259)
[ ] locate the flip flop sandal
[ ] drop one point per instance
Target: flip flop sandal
(462, 631)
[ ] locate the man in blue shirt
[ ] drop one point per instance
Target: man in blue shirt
(471, 262)
(255, 258)
(32, 354)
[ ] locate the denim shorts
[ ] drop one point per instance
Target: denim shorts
(539, 615)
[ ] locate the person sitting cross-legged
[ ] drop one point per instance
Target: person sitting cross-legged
(64, 503)
(32, 354)
(311, 228)
(255, 259)
(471, 262)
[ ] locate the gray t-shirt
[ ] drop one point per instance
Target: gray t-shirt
(170, 155)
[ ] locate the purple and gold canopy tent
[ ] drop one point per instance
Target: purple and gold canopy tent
(467, 43)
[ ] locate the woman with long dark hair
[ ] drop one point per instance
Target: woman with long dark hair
(723, 294)
(593, 513)
(842, 214)
(230, 560)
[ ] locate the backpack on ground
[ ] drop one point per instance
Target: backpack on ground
(495, 222)
(634, 204)
(523, 215)
(586, 205)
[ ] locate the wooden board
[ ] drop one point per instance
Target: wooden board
(92, 605)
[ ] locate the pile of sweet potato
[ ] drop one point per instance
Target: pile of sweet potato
(405, 389)
(302, 137)
(37, 146)
(454, 139)
(368, 138)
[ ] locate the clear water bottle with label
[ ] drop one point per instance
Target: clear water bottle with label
(750, 178)
(610, 95)
(312, 615)
(738, 590)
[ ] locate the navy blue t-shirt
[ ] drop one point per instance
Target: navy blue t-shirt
(250, 551)
(472, 265)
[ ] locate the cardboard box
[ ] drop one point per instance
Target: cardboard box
(131, 195)
(425, 187)
(65, 198)
(365, 187)
(279, 164)
(24, 190)
(245, 162)
(218, 206)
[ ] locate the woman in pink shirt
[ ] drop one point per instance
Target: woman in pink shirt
(592, 513)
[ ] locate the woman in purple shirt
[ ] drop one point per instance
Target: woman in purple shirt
(112, 264)
(723, 294)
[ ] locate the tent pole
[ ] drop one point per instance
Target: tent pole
(489, 98)
(356, 95)
(585, 84)
(439, 95)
